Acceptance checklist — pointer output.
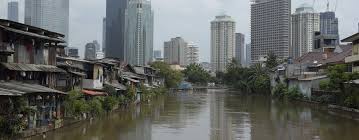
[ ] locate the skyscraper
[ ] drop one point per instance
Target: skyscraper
(192, 54)
(139, 32)
(13, 11)
(52, 15)
(223, 29)
(157, 54)
(248, 55)
(104, 35)
(73, 52)
(175, 52)
(240, 53)
(270, 28)
(90, 51)
(329, 24)
(115, 28)
(305, 22)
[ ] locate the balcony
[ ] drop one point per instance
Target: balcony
(351, 59)
(6, 49)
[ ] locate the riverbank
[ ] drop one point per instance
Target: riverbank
(82, 109)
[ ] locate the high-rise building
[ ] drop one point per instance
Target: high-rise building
(73, 52)
(51, 15)
(248, 55)
(157, 54)
(13, 11)
(329, 24)
(175, 52)
(192, 54)
(240, 53)
(3, 9)
(115, 28)
(90, 51)
(305, 22)
(223, 29)
(270, 28)
(104, 35)
(139, 32)
(98, 47)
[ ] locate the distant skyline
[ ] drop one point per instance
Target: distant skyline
(189, 19)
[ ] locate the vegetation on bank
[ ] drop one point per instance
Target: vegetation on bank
(254, 79)
(195, 74)
(11, 122)
(172, 77)
(338, 90)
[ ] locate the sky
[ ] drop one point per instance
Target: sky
(189, 19)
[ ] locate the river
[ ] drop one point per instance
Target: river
(214, 115)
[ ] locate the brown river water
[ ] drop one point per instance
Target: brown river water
(214, 115)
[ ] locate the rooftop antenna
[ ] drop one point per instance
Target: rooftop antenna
(336, 5)
(328, 6)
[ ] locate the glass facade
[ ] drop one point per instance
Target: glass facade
(139, 32)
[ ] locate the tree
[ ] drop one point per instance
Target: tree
(272, 61)
(172, 77)
(194, 73)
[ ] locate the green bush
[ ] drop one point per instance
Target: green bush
(109, 103)
(324, 85)
(294, 93)
(280, 91)
(350, 101)
(95, 106)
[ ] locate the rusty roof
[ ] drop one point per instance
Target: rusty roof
(13, 88)
(32, 67)
(325, 58)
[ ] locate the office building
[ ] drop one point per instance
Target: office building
(223, 29)
(73, 52)
(305, 22)
(329, 24)
(157, 54)
(192, 54)
(270, 28)
(240, 46)
(175, 52)
(104, 35)
(90, 51)
(139, 32)
(248, 55)
(13, 11)
(52, 15)
(115, 28)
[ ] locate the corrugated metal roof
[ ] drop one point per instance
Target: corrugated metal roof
(32, 67)
(32, 34)
(78, 73)
(117, 85)
(140, 70)
(18, 89)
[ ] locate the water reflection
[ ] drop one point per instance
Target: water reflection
(213, 115)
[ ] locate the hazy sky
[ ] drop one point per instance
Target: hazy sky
(189, 19)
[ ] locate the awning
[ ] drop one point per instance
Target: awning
(117, 85)
(32, 67)
(94, 93)
(12, 88)
(32, 34)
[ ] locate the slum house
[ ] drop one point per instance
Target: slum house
(112, 72)
(130, 78)
(75, 69)
(93, 83)
(308, 71)
(28, 71)
(150, 75)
